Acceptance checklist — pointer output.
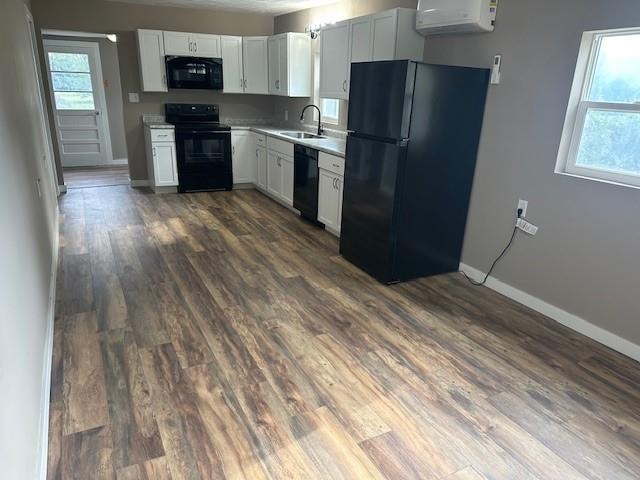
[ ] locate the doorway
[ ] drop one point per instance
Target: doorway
(86, 100)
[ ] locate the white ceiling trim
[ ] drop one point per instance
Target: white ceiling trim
(270, 7)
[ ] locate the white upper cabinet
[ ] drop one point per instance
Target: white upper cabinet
(255, 64)
(192, 44)
(153, 76)
(388, 35)
(290, 65)
(334, 61)
(384, 26)
(232, 71)
(206, 45)
(178, 43)
(360, 39)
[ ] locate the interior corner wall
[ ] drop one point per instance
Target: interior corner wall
(102, 16)
(584, 259)
(27, 252)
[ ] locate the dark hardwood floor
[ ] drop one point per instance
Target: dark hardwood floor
(213, 336)
(103, 176)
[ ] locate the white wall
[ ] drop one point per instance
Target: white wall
(27, 241)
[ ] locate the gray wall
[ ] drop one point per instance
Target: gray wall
(101, 16)
(29, 226)
(585, 258)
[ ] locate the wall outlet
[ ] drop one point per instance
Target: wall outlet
(527, 227)
(134, 98)
(523, 204)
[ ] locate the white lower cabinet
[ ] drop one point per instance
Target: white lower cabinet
(242, 157)
(280, 176)
(261, 164)
(330, 200)
(274, 174)
(330, 190)
(162, 165)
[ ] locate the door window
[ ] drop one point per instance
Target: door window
(71, 81)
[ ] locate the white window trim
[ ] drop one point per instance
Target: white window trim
(577, 111)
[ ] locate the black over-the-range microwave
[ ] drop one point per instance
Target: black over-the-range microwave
(194, 72)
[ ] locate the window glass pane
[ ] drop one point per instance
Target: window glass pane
(330, 108)
(611, 142)
(71, 82)
(74, 101)
(69, 62)
(617, 72)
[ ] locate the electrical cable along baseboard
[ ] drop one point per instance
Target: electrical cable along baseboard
(499, 257)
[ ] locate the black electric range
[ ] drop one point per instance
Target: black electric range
(203, 147)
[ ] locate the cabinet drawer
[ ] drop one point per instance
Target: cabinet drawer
(331, 162)
(162, 135)
(261, 140)
(280, 146)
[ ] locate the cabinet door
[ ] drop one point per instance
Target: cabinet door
(242, 157)
(164, 164)
(274, 174)
(153, 76)
(283, 65)
(384, 26)
(327, 199)
(178, 43)
(261, 161)
(274, 65)
(340, 193)
(360, 39)
(286, 166)
(334, 60)
(232, 64)
(205, 45)
(255, 64)
(299, 65)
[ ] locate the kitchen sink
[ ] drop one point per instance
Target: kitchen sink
(300, 135)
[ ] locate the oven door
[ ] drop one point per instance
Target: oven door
(194, 73)
(204, 160)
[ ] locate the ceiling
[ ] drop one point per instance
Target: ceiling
(272, 7)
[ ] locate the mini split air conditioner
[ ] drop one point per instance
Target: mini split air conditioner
(436, 17)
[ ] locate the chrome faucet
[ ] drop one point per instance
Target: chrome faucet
(320, 130)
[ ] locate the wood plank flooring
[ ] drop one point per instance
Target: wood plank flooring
(102, 176)
(218, 336)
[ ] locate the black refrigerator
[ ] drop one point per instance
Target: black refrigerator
(413, 135)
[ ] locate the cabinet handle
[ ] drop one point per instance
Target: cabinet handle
(337, 184)
(195, 47)
(190, 47)
(233, 149)
(337, 166)
(154, 151)
(344, 86)
(278, 84)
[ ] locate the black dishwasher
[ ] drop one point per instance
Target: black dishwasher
(305, 184)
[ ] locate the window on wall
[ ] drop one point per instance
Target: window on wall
(601, 137)
(71, 78)
(330, 106)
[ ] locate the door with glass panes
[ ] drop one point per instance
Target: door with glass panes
(78, 101)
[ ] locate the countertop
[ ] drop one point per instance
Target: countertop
(330, 145)
(160, 125)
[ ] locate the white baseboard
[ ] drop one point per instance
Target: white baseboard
(567, 319)
(43, 447)
(139, 183)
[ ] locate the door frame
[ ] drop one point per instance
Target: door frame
(95, 46)
(43, 110)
